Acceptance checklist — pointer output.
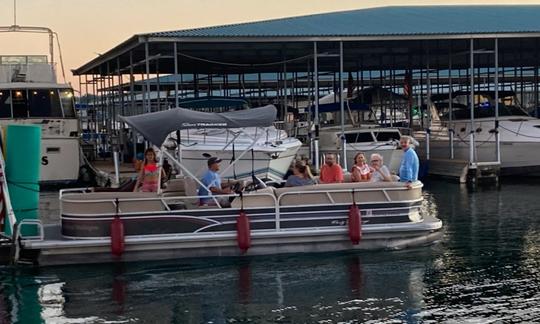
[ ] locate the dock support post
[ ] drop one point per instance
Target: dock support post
(471, 104)
(342, 107)
(450, 108)
(497, 136)
(316, 100)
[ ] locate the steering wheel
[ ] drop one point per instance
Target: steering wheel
(255, 184)
(237, 187)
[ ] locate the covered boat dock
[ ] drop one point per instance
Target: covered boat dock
(414, 51)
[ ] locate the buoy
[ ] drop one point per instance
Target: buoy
(117, 234)
(243, 232)
(355, 223)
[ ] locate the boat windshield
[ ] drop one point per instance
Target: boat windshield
(37, 103)
(484, 106)
(481, 111)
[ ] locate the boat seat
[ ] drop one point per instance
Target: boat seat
(103, 203)
(322, 193)
(257, 198)
(175, 187)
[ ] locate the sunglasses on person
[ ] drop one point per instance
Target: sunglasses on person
(374, 161)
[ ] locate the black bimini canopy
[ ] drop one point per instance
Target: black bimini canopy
(156, 126)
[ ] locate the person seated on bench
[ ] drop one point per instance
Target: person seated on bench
(212, 181)
(360, 171)
(379, 171)
(331, 172)
(301, 175)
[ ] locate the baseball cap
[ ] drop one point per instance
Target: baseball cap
(213, 159)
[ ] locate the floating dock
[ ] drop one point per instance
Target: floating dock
(463, 171)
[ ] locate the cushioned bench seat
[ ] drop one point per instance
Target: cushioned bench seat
(365, 192)
(81, 203)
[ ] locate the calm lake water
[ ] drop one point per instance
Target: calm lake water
(486, 269)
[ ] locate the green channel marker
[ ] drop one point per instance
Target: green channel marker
(23, 156)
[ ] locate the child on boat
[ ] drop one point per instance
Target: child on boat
(149, 178)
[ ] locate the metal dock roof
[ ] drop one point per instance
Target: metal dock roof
(410, 20)
(257, 46)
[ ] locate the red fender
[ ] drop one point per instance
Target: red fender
(355, 224)
(117, 236)
(243, 232)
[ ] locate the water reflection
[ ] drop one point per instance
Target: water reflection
(349, 287)
(484, 270)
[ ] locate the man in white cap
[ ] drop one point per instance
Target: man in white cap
(212, 181)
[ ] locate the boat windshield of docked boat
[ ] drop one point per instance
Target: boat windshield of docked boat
(484, 106)
(31, 94)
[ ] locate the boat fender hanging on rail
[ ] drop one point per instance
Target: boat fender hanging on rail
(243, 232)
(117, 234)
(355, 222)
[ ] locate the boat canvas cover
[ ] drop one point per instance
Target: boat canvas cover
(157, 125)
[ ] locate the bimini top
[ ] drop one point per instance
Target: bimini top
(157, 125)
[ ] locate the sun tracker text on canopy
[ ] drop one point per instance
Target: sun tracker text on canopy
(157, 125)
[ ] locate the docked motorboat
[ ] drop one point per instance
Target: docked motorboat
(370, 126)
(519, 133)
(266, 152)
(133, 226)
(30, 94)
(366, 139)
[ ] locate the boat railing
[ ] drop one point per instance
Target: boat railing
(30, 222)
(274, 199)
(165, 202)
(331, 199)
(10, 214)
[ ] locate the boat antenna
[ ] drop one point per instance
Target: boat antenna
(14, 12)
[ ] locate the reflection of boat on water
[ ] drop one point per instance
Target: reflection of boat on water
(518, 132)
(30, 94)
(347, 283)
(172, 224)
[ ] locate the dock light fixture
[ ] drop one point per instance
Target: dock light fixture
(18, 93)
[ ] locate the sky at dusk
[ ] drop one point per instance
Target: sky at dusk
(87, 28)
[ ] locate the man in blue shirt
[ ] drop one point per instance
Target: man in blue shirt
(212, 181)
(408, 170)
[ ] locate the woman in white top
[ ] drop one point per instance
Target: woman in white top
(379, 171)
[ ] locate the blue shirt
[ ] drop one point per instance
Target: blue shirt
(408, 170)
(210, 179)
